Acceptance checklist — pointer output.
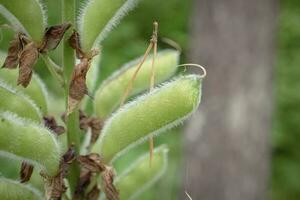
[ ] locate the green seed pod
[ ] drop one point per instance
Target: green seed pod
(27, 16)
(148, 115)
(14, 190)
(140, 176)
(15, 101)
(109, 94)
(98, 17)
(36, 90)
(25, 140)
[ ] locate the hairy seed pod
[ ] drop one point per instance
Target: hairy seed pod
(27, 16)
(10, 168)
(36, 90)
(15, 101)
(14, 190)
(25, 140)
(139, 176)
(109, 94)
(98, 17)
(148, 115)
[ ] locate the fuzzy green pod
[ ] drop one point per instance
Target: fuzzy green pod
(15, 101)
(151, 114)
(140, 176)
(36, 90)
(10, 168)
(109, 94)
(98, 17)
(25, 140)
(14, 190)
(27, 16)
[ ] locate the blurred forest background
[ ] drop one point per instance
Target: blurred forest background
(130, 40)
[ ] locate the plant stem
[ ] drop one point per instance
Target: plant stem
(73, 131)
(54, 69)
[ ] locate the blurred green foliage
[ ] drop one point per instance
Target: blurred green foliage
(286, 132)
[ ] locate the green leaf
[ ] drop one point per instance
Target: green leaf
(36, 90)
(27, 16)
(140, 176)
(13, 190)
(151, 114)
(15, 101)
(108, 96)
(98, 17)
(25, 140)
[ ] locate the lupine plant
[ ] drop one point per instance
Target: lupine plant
(43, 158)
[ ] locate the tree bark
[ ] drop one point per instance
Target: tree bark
(227, 151)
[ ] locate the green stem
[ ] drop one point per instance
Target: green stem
(73, 131)
(55, 70)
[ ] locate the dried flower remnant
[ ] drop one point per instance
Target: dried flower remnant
(110, 190)
(92, 162)
(55, 186)
(51, 123)
(28, 59)
(94, 123)
(84, 181)
(52, 37)
(14, 49)
(25, 172)
(78, 87)
(94, 193)
(75, 44)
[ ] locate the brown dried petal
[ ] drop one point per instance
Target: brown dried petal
(55, 185)
(14, 49)
(75, 44)
(25, 172)
(78, 88)
(28, 59)
(110, 190)
(50, 122)
(94, 193)
(91, 162)
(53, 36)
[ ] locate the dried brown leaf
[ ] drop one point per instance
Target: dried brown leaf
(14, 49)
(25, 172)
(53, 35)
(50, 122)
(91, 162)
(28, 59)
(110, 190)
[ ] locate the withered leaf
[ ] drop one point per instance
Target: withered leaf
(55, 186)
(94, 123)
(53, 35)
(50, 122)
(110, 190)
(14, 49)
(94, 193)
(92, 162)
(28, 59)
(25, 172)
(75, 44)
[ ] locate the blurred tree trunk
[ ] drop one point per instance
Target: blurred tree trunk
(227, 143)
